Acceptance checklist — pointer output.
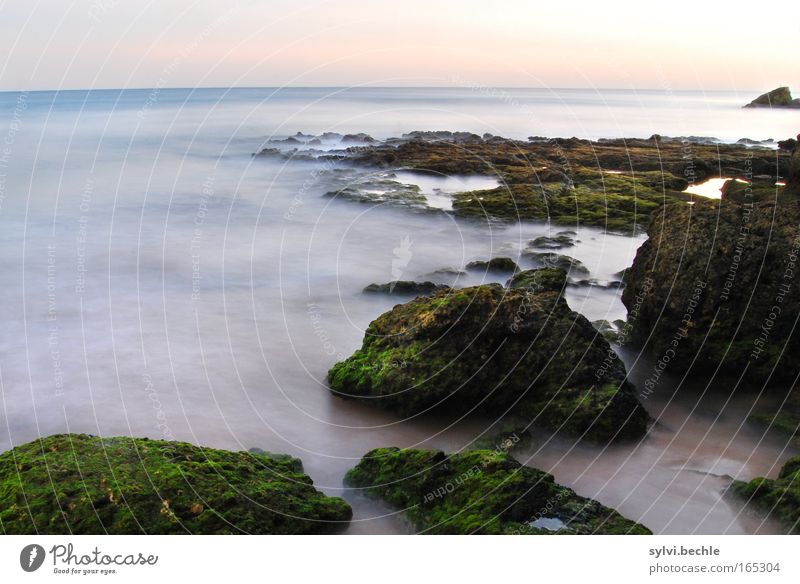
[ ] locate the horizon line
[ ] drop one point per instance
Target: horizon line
(476, 88)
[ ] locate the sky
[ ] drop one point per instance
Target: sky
(75, 44)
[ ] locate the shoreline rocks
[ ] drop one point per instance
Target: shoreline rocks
(481, 492)
(80, 484)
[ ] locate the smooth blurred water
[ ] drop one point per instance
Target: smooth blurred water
(159, 281)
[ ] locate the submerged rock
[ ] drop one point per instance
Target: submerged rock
(501, 264)
(481, 492)
(558, 241)
(779, 97)
(495, 349)
(779, 498)
(554, 260)
(78, 484)
(405, 287)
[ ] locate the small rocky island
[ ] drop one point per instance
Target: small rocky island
(778, 97)
(481, 492)
(518, 350)
(79, 484)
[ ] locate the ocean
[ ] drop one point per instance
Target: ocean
(158, 280)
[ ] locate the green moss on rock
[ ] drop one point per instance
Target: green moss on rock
(79, 484)
(779, 498)
(495, 350)
(480, 492)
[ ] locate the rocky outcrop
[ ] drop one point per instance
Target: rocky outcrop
(520, 350)
(405, 287)
(716, 288)
(481, 492)
(501, 264)
(779, 498)
(79, 484)
(779, 97)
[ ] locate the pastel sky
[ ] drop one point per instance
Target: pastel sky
(49, 44)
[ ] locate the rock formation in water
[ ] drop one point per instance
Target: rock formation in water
(501, 264)
(779, 97)
(405, 287)
(520, 350)
(481, 492)
(779, 498)
(716, 287)
(78, 484)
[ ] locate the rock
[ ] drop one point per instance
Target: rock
(563, 180)
(77, 484)
(358, 138)
(779, 97)
(494, 349)
(540, 280)
(480, 492)
(555, 242)
(448, 271)
(742, 191)
(501, 264)
(554, 260)
(706, 284)
(779, 498)
(331, 136)
(405, 287)
(785, 420)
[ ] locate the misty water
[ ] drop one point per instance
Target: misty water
(160, 281)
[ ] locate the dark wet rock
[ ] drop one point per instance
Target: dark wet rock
(558, 241)
(595, 283)
(477, 348)
(779, 97)
(715, 285)
(78, 484)
(480, 492)
(554, 260)
(447, 272)
(357, 138)
(442, 135)
(405, 287)
(779, 498)
(290, 140)
(501, 264)
(330, 136)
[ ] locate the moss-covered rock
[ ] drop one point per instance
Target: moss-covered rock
(481, 492)
(79, 484)
(540, 280)
(497, 350)
(780, 497)
(404, 287)
(614, 184)
(500, 264)
(715, 288)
